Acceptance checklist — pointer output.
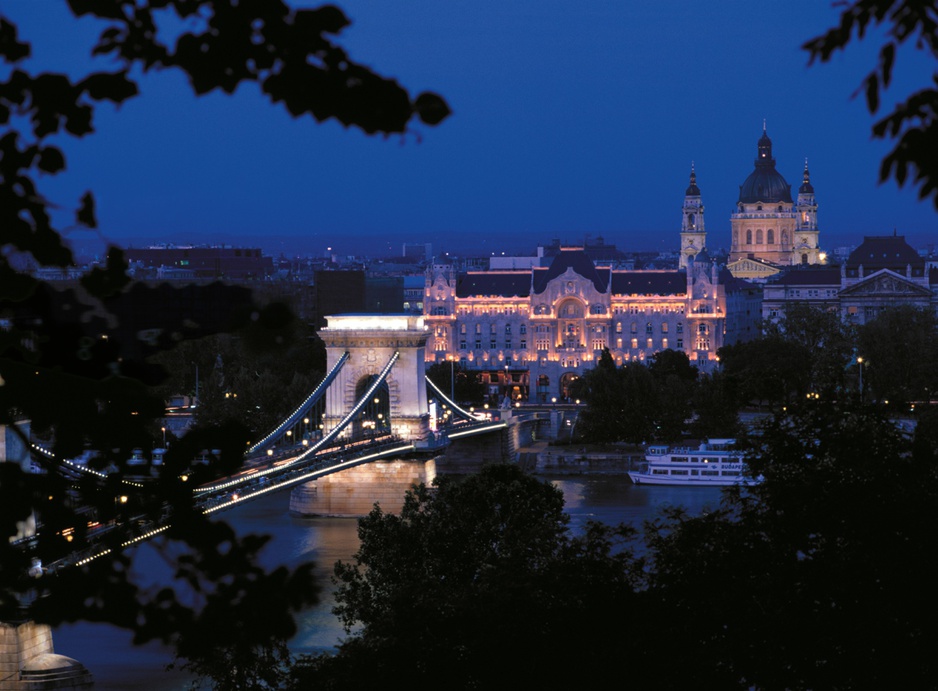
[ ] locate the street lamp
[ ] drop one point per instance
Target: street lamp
(860, 363)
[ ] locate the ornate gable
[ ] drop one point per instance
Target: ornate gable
(885, 284)
(750, 268)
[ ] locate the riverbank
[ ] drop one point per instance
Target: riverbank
(543, 458)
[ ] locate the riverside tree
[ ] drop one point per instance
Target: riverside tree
(75, 362)
(900, 352)
(815, 576)
(478, 583)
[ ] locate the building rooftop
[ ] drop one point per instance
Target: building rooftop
(500, 283)
(649, 283)
(808, 275)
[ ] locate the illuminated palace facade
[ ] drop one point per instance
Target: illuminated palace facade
(529, 333)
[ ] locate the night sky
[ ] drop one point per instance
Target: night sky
(569, 119)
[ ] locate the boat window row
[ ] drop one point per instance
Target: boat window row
(707, 473)
(691, 459)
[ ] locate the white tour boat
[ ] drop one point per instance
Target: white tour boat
(714, 463)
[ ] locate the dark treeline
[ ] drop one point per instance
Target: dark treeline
(810, 353)
(813, 579)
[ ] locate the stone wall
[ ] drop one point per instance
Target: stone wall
(569, 460)
(354, 492)
(28, 661)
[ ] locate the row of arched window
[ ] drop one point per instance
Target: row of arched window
(769, 237)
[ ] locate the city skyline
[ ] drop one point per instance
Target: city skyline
(567, 122)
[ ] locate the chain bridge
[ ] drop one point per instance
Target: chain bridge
(375, 403)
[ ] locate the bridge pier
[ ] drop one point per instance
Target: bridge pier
(29, 663)
(27, 659)
(371, 340)
(354, 492)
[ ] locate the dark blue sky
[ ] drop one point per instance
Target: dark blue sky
(568, 119)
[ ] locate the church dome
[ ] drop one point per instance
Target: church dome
(765, 184)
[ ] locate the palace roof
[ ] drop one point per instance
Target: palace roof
(810, 275)
(649, 283)
(572, 258)
(494, 283)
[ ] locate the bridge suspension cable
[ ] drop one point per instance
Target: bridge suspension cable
(315, 448)
(303, 408)
(465, 414)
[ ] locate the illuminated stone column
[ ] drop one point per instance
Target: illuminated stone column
(371, 341)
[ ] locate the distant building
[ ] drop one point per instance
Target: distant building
(384, 295)
(338, 292)
(413, 294)
(419, 252)
(884, 271)
(237, 263)
(770, 230)
(597, 250)
(345, 292)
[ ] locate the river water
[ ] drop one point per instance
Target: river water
(117, 665)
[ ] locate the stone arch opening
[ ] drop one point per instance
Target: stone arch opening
(374, 419)
(566, 384)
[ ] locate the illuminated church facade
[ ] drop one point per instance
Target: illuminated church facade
(770, 230)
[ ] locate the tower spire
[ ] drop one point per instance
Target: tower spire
(693, 234)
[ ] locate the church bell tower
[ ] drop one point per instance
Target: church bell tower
(806, 237)
(693, 233)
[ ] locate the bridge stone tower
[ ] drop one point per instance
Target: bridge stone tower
(371, 340)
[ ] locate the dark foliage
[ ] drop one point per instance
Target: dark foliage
(478, 584)
(769, 370)
(900, 352)
(461, 382)
(813, 579)
(827, 340)
(81, 363)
